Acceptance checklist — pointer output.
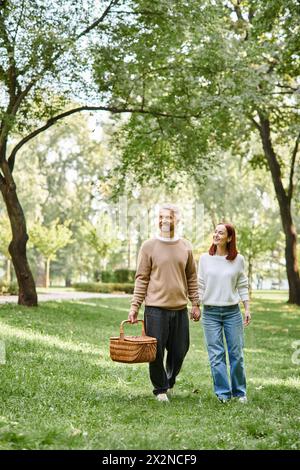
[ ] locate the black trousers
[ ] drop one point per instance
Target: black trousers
(171, 329)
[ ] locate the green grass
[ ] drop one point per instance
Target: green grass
(60, 390)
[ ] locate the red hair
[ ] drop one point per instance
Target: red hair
(231, 246)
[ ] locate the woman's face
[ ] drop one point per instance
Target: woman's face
(220, 236)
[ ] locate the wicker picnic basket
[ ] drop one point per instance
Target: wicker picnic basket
(132, 349)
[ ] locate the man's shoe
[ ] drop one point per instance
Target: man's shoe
(162, 397)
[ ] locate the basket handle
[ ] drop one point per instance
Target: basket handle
(128, 321)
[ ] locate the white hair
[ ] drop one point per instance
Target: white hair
(171, 207)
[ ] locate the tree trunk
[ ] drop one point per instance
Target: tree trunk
(138, 246)
(285, 212)
(8, 271)
(17, 247)
(48, 273)
(250, 270)
(128, 249)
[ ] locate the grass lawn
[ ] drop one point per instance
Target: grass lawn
(60, 390)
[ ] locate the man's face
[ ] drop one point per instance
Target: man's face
(167, 220)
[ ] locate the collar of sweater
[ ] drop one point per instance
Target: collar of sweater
(168, 239)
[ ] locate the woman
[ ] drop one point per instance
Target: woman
(222, 284)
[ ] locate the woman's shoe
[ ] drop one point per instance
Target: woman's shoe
(243, 399)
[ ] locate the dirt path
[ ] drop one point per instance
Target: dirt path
(63, 296)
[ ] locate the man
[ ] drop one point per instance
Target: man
(165, 279)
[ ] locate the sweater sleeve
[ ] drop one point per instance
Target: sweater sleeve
(191, 277)
(201, 284)
(242, 282)
(142, 278)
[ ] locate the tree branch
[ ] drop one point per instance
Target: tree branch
(287, 86)
(294, 155)
(53, 120)
(138, 12)
(238, 11)
(19, 21)
(99, 20)
(255, 123)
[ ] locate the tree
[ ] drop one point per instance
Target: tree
(255, 240)
(48, 240)
(238, 77)
(101, 238)
(64, 165)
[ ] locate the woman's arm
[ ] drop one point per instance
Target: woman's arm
(243, 289)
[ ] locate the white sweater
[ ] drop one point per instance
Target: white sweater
(222, 282)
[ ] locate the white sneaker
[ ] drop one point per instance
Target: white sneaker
(162, 397)
(243, 399)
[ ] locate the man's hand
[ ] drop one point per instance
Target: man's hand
(132, 316)
(247, 318)
(195, 314)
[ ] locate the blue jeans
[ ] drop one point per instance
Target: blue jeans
(228, 320)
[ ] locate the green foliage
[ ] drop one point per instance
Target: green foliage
(41, 50)
(216, 67)
(60, 390)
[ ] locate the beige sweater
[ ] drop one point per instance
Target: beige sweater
(166, 275)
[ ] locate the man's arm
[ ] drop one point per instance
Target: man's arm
(142, 278)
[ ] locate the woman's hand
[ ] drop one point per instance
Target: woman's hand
(247, 318)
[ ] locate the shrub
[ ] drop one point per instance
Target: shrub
(107, 276)
(104, 288)
(11, 288)
(124, 275)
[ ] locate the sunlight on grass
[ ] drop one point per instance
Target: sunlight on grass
(293, 382)
(93, 304)
(270, 294)
(19, 333)
(255, 351)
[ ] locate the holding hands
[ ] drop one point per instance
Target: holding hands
(195, 313)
